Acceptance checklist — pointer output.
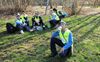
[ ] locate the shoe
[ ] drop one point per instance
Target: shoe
(31, 30)
(22, 32)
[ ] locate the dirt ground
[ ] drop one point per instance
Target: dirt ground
(89, 10)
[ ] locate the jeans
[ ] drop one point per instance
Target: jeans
(40, 23)
(53, 23)
(21, 27)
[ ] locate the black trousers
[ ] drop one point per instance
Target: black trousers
(21, 27)
(54, 52)
(62, 16)
(53, 23)
(27, 22)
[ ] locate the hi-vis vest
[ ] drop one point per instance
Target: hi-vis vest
(58, 13)
(57, 17)
(36, 18)
(64, 37)
(19, 22)
(22, 18)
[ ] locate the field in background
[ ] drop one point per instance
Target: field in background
(34, 46)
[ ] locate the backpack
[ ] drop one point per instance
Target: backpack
(10, 28)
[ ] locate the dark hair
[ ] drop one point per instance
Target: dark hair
(54, 9)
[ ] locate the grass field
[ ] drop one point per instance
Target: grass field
(34, 46)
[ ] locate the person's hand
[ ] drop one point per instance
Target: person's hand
(62, 50)
(24, 24)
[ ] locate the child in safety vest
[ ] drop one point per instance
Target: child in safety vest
(37, 22)
(20, 24)
(61, 14)
(54, 19)
(62, 37)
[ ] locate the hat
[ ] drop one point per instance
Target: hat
(18, 14)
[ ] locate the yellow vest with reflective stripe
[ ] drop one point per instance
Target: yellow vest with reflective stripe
(37, 18)
(57, 17)
(58, 13)
(22, 18)
(64, 37)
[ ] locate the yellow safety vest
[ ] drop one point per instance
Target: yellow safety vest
(22, 18)
(37, 18)
(58, 13)
(64, 37)
(57, 17)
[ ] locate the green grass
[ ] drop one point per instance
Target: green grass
(34, 46)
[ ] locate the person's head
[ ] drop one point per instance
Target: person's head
(36, 13)
(52, 13)
(63, 25)
(54, 9)
(18, 16)
(25, 15)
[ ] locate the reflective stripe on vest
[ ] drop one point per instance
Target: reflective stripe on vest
(64, 37)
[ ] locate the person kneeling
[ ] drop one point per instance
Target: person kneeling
(63, 38)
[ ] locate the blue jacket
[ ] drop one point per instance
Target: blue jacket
(18, 22)
(70, 39)
(54, 17)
